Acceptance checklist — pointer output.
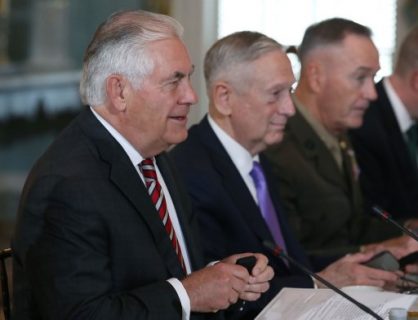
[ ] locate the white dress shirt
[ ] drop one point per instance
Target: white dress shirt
(240, 156)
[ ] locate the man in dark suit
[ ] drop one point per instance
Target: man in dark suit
(248, 79)
(104, 229)
(386, 144)
(315, 165)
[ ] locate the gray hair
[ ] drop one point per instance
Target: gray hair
(330, 31)
(408, 53)
(119, 46)
(236, 49)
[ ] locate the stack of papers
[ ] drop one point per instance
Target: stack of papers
(325, 304)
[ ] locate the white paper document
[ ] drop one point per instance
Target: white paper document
(325, 304)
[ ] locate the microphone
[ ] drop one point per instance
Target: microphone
(387, 217)
(278, 252)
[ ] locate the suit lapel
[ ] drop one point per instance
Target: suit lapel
(179, 201)
(124, 176)
(393, 134)
(314, 149)
(233, 182)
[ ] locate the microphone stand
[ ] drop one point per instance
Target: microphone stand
(386, 216)
(277, 251)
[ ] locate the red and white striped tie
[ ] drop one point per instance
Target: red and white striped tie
(154, 190)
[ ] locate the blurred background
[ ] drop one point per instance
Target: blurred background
(42, 44)
(41, 49)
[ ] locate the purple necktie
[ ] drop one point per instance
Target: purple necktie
(266, 206)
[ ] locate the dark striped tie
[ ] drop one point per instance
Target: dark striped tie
(154, 190)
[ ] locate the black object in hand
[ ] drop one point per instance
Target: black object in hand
(383, 260)
(386, 261)
(409, 259)
(236, 309)
(247, 262)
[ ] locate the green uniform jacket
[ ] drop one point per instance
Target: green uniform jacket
(323, 205)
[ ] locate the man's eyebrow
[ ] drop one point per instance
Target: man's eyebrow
(177, 75)
(282, 86)
(365, 69)
(180, 75)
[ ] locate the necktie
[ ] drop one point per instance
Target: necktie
(349, 162)
(266, 205)
(412, 141)
(351, 172)
(154, 190)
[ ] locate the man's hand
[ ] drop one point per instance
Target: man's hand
(412, 268)
(411, 224)
(218, 286)
(399, 246)
(215, 287)
(349, 271)
(260, 276)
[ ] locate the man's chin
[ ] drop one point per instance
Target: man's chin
(274, 139)
(355, 123)
(177, 138)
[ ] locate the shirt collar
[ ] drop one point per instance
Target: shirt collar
(240, 156)
(330, 141)
(133, 155)
(401, 113)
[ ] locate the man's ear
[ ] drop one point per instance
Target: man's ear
(315, 76)
(116, 89)
(414, 81)
(222, 98)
